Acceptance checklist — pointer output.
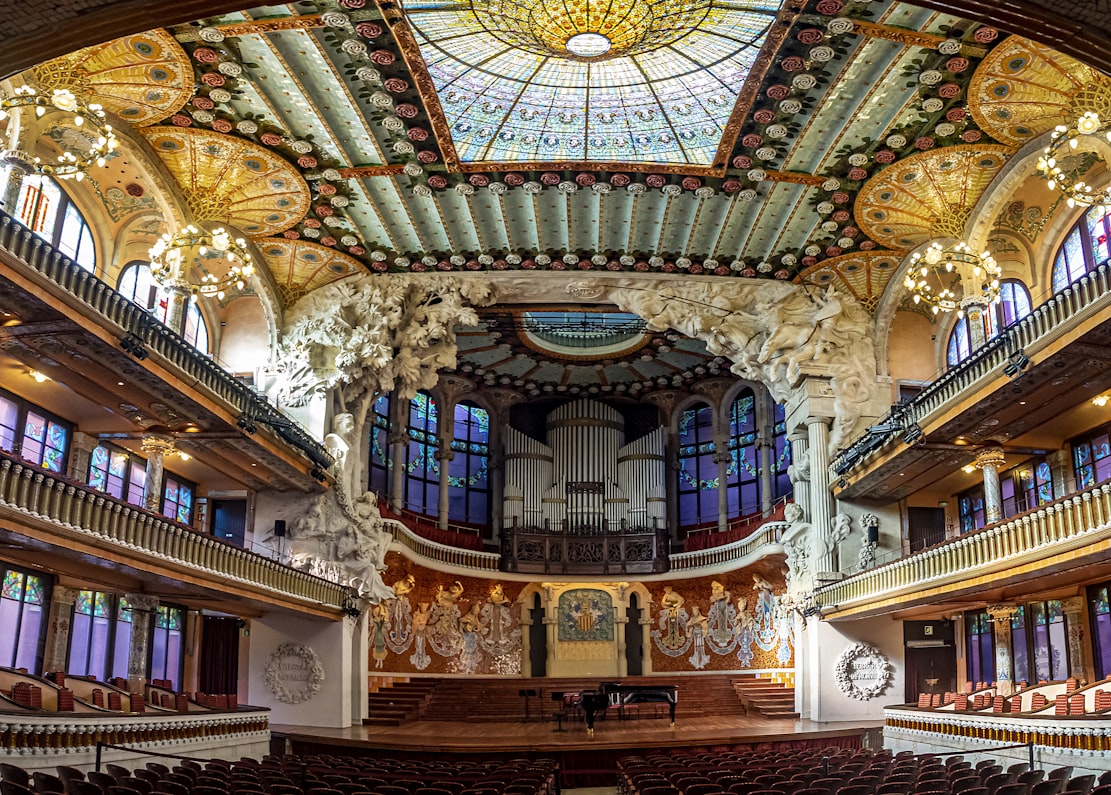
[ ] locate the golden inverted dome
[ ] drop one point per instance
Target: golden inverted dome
(590, 29)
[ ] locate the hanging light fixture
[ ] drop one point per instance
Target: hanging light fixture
(951, 278)
(1065, 141)
(224, 262)
(73, 163)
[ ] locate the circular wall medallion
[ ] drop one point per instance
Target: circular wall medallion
(862, 672)
(294, 673)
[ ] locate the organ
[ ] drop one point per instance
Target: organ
(585, 479)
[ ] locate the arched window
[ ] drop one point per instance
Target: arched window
(743, 471)
(468, 479)
(1012, 305)
(422, 470)
(137, 285)
(1087, 247)
(47, 211)
(380, 446)
(698, 474)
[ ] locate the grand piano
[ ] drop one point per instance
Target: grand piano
(615, 694)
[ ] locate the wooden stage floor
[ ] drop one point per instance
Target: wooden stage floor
(448, 737)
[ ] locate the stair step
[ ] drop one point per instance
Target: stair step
(376, 721)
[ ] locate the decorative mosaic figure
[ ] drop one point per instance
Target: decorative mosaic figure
(720, 635)
(744, 624)
(470, 655)
(698, 629)
(444, 636)
(379, 624)
(419, 658)
(671, 638)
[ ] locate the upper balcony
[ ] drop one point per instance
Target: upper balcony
(63, 321)
(1022, 381)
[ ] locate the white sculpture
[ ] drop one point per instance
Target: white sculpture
(777, 336)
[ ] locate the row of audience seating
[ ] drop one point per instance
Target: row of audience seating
(837, 771)
(1072, 701)
(292, 775)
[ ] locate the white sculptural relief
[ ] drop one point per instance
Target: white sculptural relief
(358, 338)
(773, 337)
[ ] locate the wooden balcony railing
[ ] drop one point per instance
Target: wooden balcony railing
(1059, 527)
(1076, 733)
(593, 549)
(30, 494)
(142, 331)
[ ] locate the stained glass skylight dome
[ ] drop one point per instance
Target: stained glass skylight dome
(625, 81)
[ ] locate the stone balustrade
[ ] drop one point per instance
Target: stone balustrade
(30, 495)
(442, 554)
(1056, 528)
(143, 331)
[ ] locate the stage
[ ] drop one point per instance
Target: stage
(578, 752)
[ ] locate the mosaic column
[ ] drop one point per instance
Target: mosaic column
(156, 447)
(646, 642)
(20, 169)
(80, 451)
(988, 461)
(821, 505)
(177, 296)
(61, 621)
(722, 457)
(1001, 616)
(974, 310)
(143, 610)
(620, 622)
(1075, 619)
(1060, 465)
(526, 641)
(550, 625)
(397, 439)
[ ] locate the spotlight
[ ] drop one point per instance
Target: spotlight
(134, 346)
(912, 433)
(246, 424)
(318, 474)
(1016, 363)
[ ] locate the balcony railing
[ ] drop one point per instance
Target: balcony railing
(586, 548)
(442, 553)
(765, 540)
(1059, 527)
(142, 331)
(1083, 298)
(30, 494)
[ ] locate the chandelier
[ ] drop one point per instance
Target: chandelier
(1065, 140)
(224, 262)
(74, 162)
(936, 273)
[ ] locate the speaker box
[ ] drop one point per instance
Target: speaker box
(874, 535)
(279, 528)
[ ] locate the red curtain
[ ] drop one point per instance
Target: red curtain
(219, 663)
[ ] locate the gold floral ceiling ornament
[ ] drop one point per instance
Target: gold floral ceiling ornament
(590, 29)
(141, 78)
(300, 266)
(1089, 132)
(953, 278)
(863, 274)
(230, 180)
(223, 262)
(98, 140)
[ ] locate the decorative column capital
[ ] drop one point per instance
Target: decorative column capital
(1002, 612)
(158, 444)
(1073, 606)
(142, 602)
(989, 457)
(64, 596)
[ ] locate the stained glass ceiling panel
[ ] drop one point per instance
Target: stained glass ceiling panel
(637, 81)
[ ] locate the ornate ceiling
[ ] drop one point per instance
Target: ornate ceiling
(816, 140)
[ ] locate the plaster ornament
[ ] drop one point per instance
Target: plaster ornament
(791, 106)
(220, 95)
(294, 673)
(247, 127)
(858, 159)
(636, 188)
(804, 81)
(368, 74)
(949, 47)
(932, 105)
(822, 53)
(211, 35)
(229, 68)
(862, 672)
(353, 46)
(748, 194)
(839, 26)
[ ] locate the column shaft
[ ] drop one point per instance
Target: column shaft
(821, 505)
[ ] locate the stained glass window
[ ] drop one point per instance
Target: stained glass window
(1019, 652)
(1091, 458)
(742, 473)
(970, 509)
(698, 472)
(468, 478)
(422, 469)
(1049, 640)
(117, 472)
(166, 647)
(90, 635)
(980, 646)
(534, 80)
(24, 601)
(9, 421)
(43, 207)
(380, 446)
(1100, 613)
(44, 441)
(1012, 305)
(782, 450)
(177, 500)
(137, 285)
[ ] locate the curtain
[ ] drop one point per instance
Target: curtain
(219, 665)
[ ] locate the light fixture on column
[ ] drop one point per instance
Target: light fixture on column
(76, 160)
(952, 277)
(223, 261)
(1066, 141)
